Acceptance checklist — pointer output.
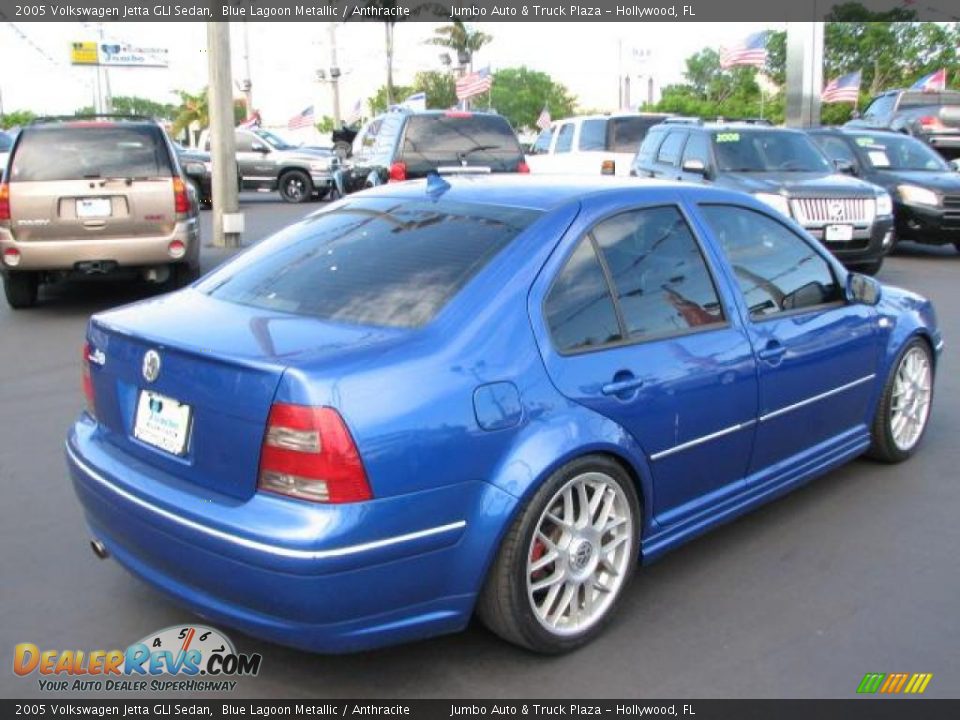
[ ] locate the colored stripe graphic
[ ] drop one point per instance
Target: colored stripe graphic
(870, 683)
(894, 683)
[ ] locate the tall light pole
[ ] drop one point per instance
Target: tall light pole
(804, 73)
(334, 73)
(227, 221)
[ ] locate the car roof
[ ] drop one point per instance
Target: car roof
(61, 123)
(855, 130)
(535, 192)
(612, 116)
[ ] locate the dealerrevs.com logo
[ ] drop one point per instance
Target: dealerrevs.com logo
(178, 658)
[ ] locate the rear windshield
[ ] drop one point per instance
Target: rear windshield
(767, 151)
(624, 134)
(77, 153)
(437, 140)
(371, 261)
(5, 142)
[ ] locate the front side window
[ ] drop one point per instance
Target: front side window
(579, 309)
(659, 276)
(670, 150)
(542, 145)
(776, 269)
(697, 148)
(245, 142)
(564, 138)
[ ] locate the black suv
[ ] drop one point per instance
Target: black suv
(784, 169)
(925, 189)
(403, 145)
(933, 117)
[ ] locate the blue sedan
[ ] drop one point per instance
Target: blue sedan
(482, 395)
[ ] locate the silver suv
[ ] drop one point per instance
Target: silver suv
(91, 197)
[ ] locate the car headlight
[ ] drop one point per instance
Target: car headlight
(777, 202)
(913, 195)
(884, 204)
(319, 166)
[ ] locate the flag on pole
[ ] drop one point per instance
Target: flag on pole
(302, 119)
(544, 120)
(752, 51)
(416, 102)
(934, 82)
(253, 121)
(476, 83)
(845, 88)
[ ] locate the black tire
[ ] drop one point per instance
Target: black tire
(870, 268)
(884, 447)
(21, 289)
(504, 605)
(295, 186)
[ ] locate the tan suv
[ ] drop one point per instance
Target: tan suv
(91, 197)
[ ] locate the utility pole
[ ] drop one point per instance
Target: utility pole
(247, 84)
(106, 99)
(227, 220)
(334, 74)
(804, 73)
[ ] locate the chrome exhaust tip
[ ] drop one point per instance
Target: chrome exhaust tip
(99, 549)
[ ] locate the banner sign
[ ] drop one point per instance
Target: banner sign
(116, 54)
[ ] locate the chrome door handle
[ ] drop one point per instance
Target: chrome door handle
(773, 351)
(621, 387)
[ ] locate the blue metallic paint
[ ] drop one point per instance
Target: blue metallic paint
(441, 461)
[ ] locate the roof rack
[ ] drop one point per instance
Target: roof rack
(683, 120)
(90, 116)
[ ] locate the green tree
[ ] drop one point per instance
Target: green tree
(195, 108)
(440, 88)
(379, 102)
(521, 93)
(17, 118)
(460, 38)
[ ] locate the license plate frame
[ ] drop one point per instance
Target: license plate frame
(838, 233)
(163, 422)
(94, 208)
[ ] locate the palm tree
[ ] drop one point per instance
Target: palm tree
(463, 40)
(194, 108)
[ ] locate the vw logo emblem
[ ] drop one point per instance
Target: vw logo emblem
(151, 365)
(581, 555)
(836, 210)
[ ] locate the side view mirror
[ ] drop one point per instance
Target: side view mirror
(955, 164)
(845, 166)
(257, 147)
(696, 166)
(863, 289)
(194, 168)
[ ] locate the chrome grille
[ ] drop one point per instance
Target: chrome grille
(825, 211)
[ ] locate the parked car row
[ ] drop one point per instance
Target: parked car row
(933, 117)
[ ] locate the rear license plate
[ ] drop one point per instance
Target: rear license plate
(94, 208)
(838, 233)
(162, 422)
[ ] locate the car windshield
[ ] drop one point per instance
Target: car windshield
(371, 261)
(740, 150)
(275, 140)
(93, 151)
(899, 152)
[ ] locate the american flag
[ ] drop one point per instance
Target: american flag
(934, 82)
(544, 120)
(253, 121)
(475, 83)
(750, 51)
(842, 89)
(302, 120)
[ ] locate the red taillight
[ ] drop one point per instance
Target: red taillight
(930, 121)
(308, 454)
(86, 380)
(181, 201)
(522, 167)
(398, 172)
(4, 201)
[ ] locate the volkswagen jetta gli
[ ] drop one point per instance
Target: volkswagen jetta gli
(491, 395)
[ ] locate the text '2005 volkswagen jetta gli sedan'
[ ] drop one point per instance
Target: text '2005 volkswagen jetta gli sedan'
(488, 394)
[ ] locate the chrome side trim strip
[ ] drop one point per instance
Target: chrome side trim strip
(700, 440)
(254, 544)
(816, 398)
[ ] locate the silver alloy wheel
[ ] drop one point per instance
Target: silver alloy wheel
(910, 402)
(579, 554)
(295, 188)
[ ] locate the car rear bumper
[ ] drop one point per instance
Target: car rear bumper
(924, 224)
(125, 252)
(867, 246)
(331, 578)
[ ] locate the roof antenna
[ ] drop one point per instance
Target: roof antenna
(436, 185)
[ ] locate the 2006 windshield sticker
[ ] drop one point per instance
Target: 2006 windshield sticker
(183, 658)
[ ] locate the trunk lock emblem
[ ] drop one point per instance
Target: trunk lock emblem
(151, 365)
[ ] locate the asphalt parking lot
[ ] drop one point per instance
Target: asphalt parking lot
(855, 573)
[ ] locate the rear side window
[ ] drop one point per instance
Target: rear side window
(670, 150)
(564, 138)
(649, 147)
(626, 133)
(372, 261)
(452, 139)
(776, 269)
(659, 276)
(593, 134)
(5, 142)
(579, 309)
(77, 153)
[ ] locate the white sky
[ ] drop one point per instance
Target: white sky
(285, 56)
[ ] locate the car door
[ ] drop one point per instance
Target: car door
(696, 153)
(816, 353)
(667, 163)
(633, 327)
(563, 149)
(253, 161)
